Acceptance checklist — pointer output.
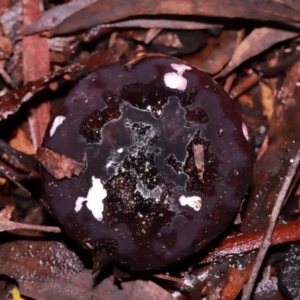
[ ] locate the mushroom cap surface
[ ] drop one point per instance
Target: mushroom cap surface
(167, 162)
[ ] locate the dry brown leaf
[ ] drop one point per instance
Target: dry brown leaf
(247, 242)
(36, 64)
(267, 100)
(59, 165)
(151, 34)
(21, 142)
(244, 85)
(283, 143)
(56, 15)
(38, 121)
(255, 43)
(114, 10)
(216, 54)
(48, 270)
(4, 5)
(236, 277)
(5, 47)
(36, 60)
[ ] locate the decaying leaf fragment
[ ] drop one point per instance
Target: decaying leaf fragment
(198, 151)
(58, 165)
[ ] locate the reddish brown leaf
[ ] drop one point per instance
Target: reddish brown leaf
(235, 280)
(36, 58)
(226, 277)
(4, 5)
(36, 64)
(58, 165)
(267, 100)
(242, 243)
(244, 85)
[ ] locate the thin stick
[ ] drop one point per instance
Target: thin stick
(247, 290)
(180, 281)
(6, 225)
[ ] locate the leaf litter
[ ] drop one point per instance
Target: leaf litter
(252, 48)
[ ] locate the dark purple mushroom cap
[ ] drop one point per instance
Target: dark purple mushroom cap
(167, 162)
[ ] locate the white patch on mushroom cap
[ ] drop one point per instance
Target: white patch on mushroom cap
(57, 122)
(245, 131)
(175, 80)
(194, 202)
(94, 199)
(109, 164)
(180, 68)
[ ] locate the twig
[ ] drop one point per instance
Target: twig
(245, 85)
(247, 290)
(180, 281)
(7, 225)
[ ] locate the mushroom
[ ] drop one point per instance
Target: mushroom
(166, 162)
